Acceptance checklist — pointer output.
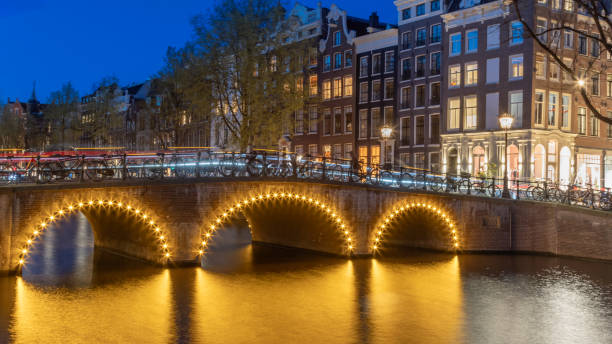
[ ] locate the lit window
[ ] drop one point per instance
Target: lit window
(516, 67)
(454, 76)
(471, 74)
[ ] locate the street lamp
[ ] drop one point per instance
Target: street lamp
(386, 132)
(505, 122)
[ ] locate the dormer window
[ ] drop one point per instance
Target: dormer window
(337, 38)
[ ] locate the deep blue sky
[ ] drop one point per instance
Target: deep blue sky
(55, 41)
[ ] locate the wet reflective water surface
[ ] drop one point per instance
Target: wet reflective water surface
(255, 294)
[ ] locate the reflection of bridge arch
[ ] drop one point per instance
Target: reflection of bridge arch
(410, 208)
(313, 203)
(127, 210)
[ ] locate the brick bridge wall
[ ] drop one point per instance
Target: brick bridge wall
(185, 210)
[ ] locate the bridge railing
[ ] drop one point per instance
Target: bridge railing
(213, 164)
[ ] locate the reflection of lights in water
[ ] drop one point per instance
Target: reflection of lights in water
(117, 313)
(410, 301)
(276, 306)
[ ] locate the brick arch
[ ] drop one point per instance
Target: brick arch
(312, 203)
(91, 208)
(391, 220)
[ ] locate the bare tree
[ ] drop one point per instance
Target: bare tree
(596, 26)
(62, 114)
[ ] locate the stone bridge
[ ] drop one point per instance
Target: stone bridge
(174, 222)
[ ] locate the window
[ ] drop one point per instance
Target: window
(420, 96)
(348, 85)
(566, 110)
(337, 60)
(472, 41)
(582, 44)
(455, 44)
(389, 88)
(299, 122)
(377, 122)
(553, 71)
(406, 13)
(434, 129)
(538, 116)
(419, 126)
(542, 2)
(420, 10)
(540, 66)
(389, 115)
(435, 63)
(326, 63)
(541, 29)
(348, 151)
(421, 61)
(376, 91)
(405, 131)
(471, 74)
(419, 160)
(389, 62)
(609, 85)
(363, 123)
(493, 36)
(338, 121)
(595, 46)
(299, 150)
(348, 58)
(471, 112)
(566, 76)
(581, 120)
(348, 119)
(436, 33)
(595, 84)
(421, 37)
(337, 88)
(313, 116)
(553, 104)
(313, 85)
(516, 107)
(337, 151)
(327, 122)
(435, 5)
(516, 30)
(516, 67)
(363, 92)
(363, 66)
(405, 97)
(454, 113)
(594, 125)
(312, 57)
(337, 38)
(568, 5)
(434, 94)
(493, 71)
(568, 38)
(326, 89)
(610, 125)
(555, 34)
(406, 63)
(454, 76)
(376, 64)
(312, 150)
(556, 4)
(406, 40)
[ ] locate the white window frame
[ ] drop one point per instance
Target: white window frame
(510, 69)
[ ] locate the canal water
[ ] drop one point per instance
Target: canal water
(69, 293)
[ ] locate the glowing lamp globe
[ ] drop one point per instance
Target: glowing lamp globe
(505, 121)
(386, 132)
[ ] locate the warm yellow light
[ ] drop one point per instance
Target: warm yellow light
(231, 210)
(218, 220)
(283, 194)
(350, 247)
(580, 82)
(167, 255)
(238, 205)
(333, 214)
(151, 222)
(29, 241)
(161, 237)
(224, 214)
(90, 202)
(165, 245)
(386, 220)
(391, 215)
(24, 251)
(129, 207)
(338, 220)
(348, 239)
(201, 252)
(212, 227)
(374, 247)
(157, 229)
(144, 216)
(203, 243)
(137, 211)
(80, 204)
(260, 196)
(275, 195)
(382, 226)
(51, 217)
(100, 202)
(346, 232)
(377, 239)
(208, 235)
(253, 199)
(453, 231)
(35, 232)
(268, 195)
(110, 202)
(119, 204)
(456, 244)
(20, 261)
(70, 207)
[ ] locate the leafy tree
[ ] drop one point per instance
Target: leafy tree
(548, 39)
(62, 113)
(254, 70)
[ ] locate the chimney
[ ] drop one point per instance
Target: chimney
(373, 19)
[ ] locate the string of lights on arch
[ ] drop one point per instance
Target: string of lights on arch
(339, 223)
(383, 227)
(135, 212)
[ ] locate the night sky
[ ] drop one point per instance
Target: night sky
(55, 41)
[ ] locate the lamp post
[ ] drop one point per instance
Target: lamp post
(385, 132)
(505, 122)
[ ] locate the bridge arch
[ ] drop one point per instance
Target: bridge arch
(142, 217)
(313, 203)
(409, 208)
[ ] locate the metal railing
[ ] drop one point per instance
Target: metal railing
(211, 164)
